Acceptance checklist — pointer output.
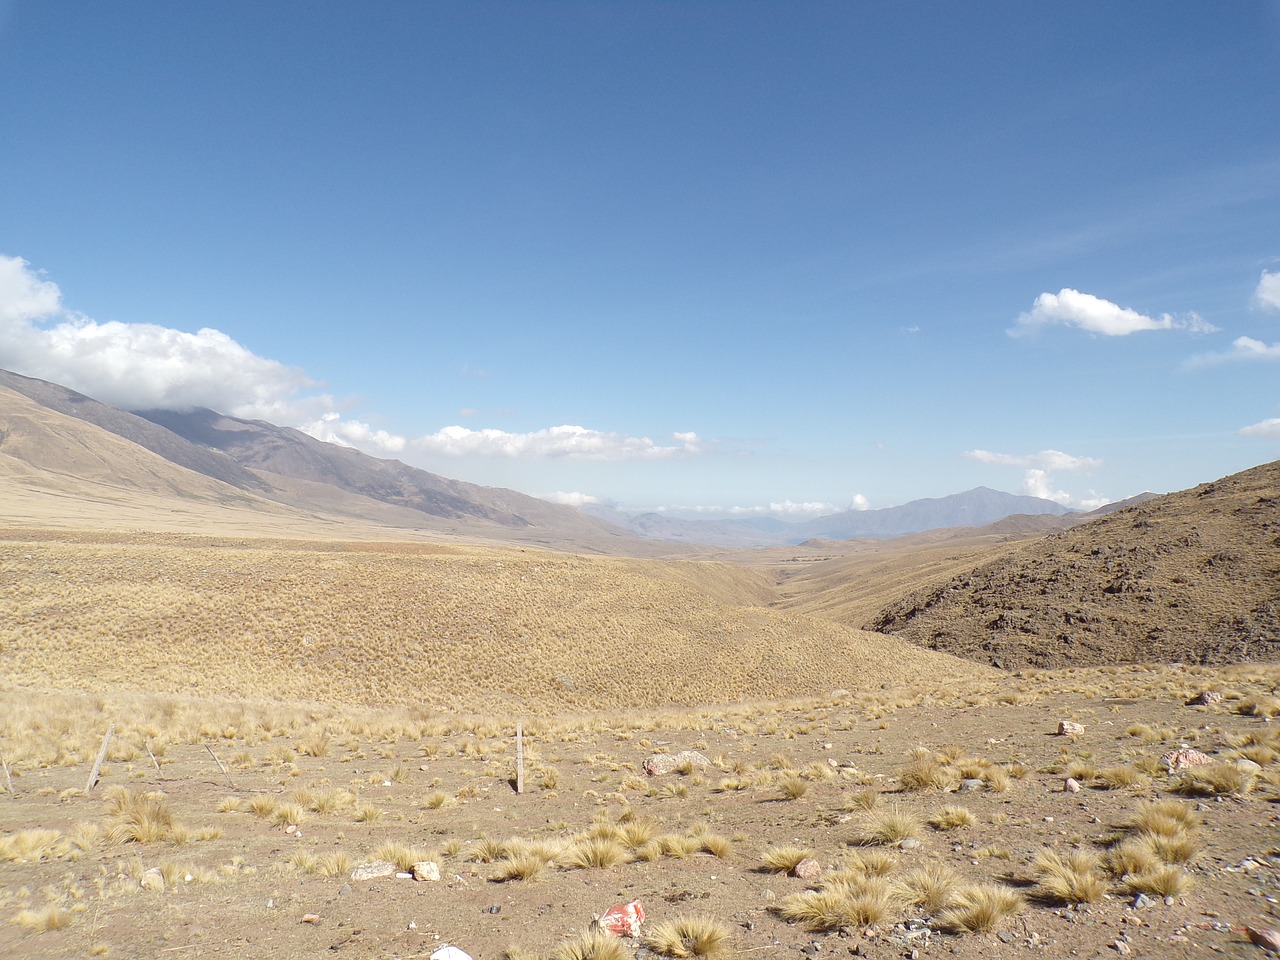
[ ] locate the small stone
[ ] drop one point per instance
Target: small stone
(662, 763)
(1186, 757)
(1048, 819)
(1169, 901)
(496, 908)
(910, 843)
(291, 829)
(312, 918)
(413, 925)
(1071, 785)
(1245, 765)
(1069, 728)
(1007, 937)
(1205, 698)
(970, 784)
(450, 953)
(1121, 948)
(373, 870)
(1142, 901)
(807, 869)
(344, 890)
(403, 875)
(426, 870)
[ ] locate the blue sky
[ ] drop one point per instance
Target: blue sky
(725, 256)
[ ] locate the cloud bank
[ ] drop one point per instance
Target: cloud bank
(1267, 429)
(1071, 308)
(137, 366)
(1037, 478)
(142, 366)
(565, 441)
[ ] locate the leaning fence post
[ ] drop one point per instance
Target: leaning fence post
(7, 779)
(97, 764)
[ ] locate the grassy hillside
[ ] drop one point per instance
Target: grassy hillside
(449, 628)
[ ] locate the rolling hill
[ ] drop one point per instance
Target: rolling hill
(1190, 576)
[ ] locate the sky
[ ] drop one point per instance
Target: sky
(712, 258)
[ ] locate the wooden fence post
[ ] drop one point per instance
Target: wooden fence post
(97, 764)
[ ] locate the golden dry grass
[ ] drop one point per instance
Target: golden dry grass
(340, 621)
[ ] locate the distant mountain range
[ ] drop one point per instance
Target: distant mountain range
(262, 461)
(973, 508)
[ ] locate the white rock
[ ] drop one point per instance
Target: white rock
(427, 870)
(152, 880)
(450, 953)
(373, 870)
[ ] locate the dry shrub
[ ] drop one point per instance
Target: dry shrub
(141, 818)
(923, 772)
(686, 937)
(793, 788)
(891, 826)
(1165, 880)
(44, 919)
(594, 852)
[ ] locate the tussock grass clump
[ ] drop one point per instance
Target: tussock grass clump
(520, 866)
(402, 855)
(891, 826)
(861, 800)
(783, 859)
(715, 844)
(289, 814)
(869, 863)
(952, 818)
(838, 903)
(1165, 880)
(923, 771)
(33, 844)
(1115, 778)
(930, 887)
(368, 813)
(47, 918)
(793, 787)
(1075, 878)
(980, 908)
(232, 805)
(141, 818)
(590, 851)
(591, 945)
(686, 937)
(1215, 780)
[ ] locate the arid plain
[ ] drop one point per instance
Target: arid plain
(296, 692)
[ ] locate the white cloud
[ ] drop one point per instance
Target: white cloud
(1044, 460)
(569, 441)
(1267, 429)
(782, 509)
(331, 428)
(137, 366)
(1071, 308)
(1037, 480)
(1244, 349)
(572, 499)
(1267, 296)
(859, 502)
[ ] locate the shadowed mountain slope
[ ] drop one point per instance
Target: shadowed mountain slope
(1190, 576)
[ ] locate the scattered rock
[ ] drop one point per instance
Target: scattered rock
(1205, 698)
(373, 870)
(1184, 758)
(1069, 728)
(910, 843)
(664, 763)
(312, 918)
(1245, 765)
(152, 880)
(1141, 901)
(1071, 785)
(970, 784)
(807, 869)
(1122, 948)
(1006, 936)
(427, 870)
(1266, 938)
(344, 890)
(622, 920)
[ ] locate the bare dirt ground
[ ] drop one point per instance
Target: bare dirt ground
(834, 775)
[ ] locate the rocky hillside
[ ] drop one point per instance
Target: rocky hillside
(1192, 576)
